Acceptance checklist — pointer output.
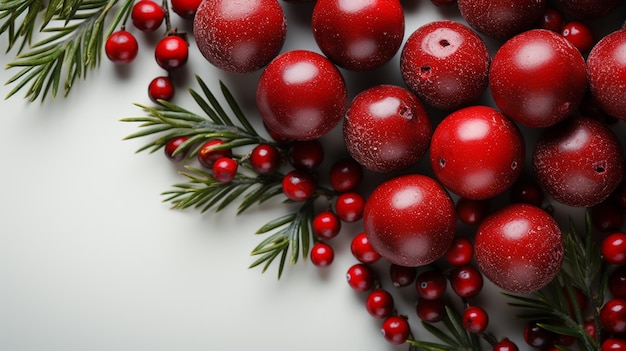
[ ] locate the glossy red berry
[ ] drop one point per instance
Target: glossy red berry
(580, 35)
(207, 154)
(607, 70)
(501, 18)
(185, 8)
(307, 155)
(349, 206)
(614, 248)
(590, 328)
(345, 175)
(460, 252)
(431, 284)
(161, 88)
(298, 185)
(431, 311)
(322, 254)
(326, 225)
(475, 319)
(536, 336)
(614, 344)
(613, 315)
(617, 282)
(147, 15)
(360, 277)
(240, 37)
(466, 281)
(358, 35)
(552, 20)
(386, 128)
(362, 250)
(396, 330)
(522, 76)
(301, 95)
(379, 303)
(505, 345)
(464, 159)
(471, 211)
(171, 149)
(410, 220)
(225, 169)
(446, 64)
(121, 47)
(402, 276)
(265, 159)
(171, 52)
(519, 248)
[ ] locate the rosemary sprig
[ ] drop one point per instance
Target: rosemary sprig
(74, 34)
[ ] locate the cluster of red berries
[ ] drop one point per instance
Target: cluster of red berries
(170, 53)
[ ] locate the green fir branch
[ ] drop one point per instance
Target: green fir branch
(454, 337)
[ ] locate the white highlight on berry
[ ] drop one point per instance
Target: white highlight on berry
(386, 107)
(300, 72)
(538, 105)
(577, 141)
(534, 54)
(479, 180)
(235, 9)
(442, 42)
(354, 6)
(619, 54)
(362, 49)
(516, 229)
(406, 198)
(243, 53)
(473, 130)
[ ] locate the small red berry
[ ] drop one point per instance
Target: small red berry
(298, 185)
(613, 344)
(505, 345)
(617, 282)
(466, 281)
(171, 149)
(607, 216)
(185, 8)
(345, 175)
(322, 255)
(475, 319)
(460, 252)
(360, 277)
(614, 248)
(161, 88)
(580, 35)
(362, 250)
(121, 47)
(349, 206)
(471, 211)
(307, 155)
(171, 52)
(207, 154)
(536, 336)
(590, 328)
(326, 225)
(527, 191)
(225, 169)
(613, 315)
(402, 276)
(265, 159)
(379, 303)
(147, 15)
(396, 330)
(551, 20)
(431, 284)
(431, 311)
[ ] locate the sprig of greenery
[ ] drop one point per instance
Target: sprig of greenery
(555, 306)
(457, 338)
(74, 34)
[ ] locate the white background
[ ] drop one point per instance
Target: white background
(92, 259)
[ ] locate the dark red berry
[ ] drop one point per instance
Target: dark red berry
(322, 255)
(614, 248)
(613, 315)
(298, 185)
(552, 20)
(362, 250)
(207, 154)
(471, 211)
(505, 345)
(466, 281)
(121, 47)
(617, 282)
(527, 191)
(171, 52)
(360, 277)
(349, 206)
(306, 155)
(607, 216)
(147, 15)
(431, 311)
(501, 18)
(590, 328)
(460, 252)
(172, 146)
(606, 65)
(326, 225)
(396, 330)
(265, 159)
(536, 336)
(475, 319)
(379, 303)
(431, 284)
(345, 175)
(161, 88)
(402, 276)
(225, 169)
(185, 8)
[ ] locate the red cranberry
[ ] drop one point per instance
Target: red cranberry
(171, 52)
(360, 277)
(362, 250)
(580, 35)
(121, 47)
(505, 345)
(171, 149)
(552, 20)
(225, 169)
(590, 328)
(614, 344)
(607, 70)
(379, 303)
(446, 64)
(396, 330)
(410, 220)
(501, 18)
(345, 175)
(161, 88)
(519, 248)
(613, 315)
(617, 282)
(358, 35)
(147, 15)
(326, 225)
(587, 9)
(431, 311)
(301, 95)
(523, 74)
(614, 248)
(578, 162)
(298, 185)
(349, 206)
(264, 159)
(185, 8)
(607, 216)
(464, 159)
(386, 128)
(471, 211)
(527, 191)
(208, 154)
(460, 252)
(306, 155)
(240, 37)
(402, 276)
(475, 319)
(536, 336)
(431, 284)
(466, 281)
(322, 255)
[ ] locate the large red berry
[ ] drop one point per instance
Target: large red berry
(358, 35)
(171, 52)
(121, 47)
(607, 72)
(301, 95)
(410, 220)
(386, 128)
(501, 18)
(240, 36)
(519, 248)
(463, 156)
(578, 162)
(538, 78)
(446, 64)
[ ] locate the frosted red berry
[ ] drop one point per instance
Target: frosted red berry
(298, 185)
(379, 303)
(307, 155)
(208, 154)
(614, 248)
(326, 225)
(171, 52)
(362, 250)
(613, 315)
(345, 175)
(225, 169)
(171, 149)
(121, 47)
(147, 15)
(322, 254)
(431, 284)
(466, 281)
(161, 88)
(349, 206)
(460, 252)
(396, 330)
(360, 277)
(475, 319)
